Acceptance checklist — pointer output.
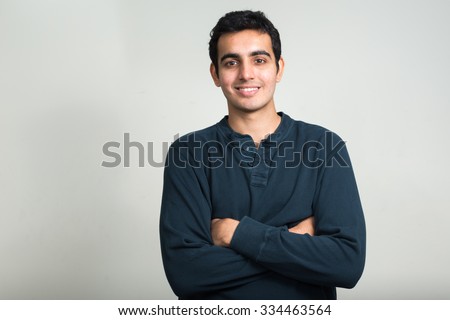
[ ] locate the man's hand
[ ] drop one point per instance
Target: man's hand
(304, 226)
(222, 230)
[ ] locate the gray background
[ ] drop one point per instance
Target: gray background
(77, 74)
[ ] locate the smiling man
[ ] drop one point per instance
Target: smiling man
(258, 206)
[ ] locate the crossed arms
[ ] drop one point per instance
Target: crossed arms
(202, 254)
(222, 230)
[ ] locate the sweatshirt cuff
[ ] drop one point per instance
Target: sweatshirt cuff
(249, 237)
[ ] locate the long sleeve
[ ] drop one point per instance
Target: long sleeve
(193, 265)
(335, 256)
(210, 174)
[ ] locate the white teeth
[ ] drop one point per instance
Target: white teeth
(248, 89)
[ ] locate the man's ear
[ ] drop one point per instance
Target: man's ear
(212, 70)
(280, 69)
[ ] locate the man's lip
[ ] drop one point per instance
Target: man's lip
(247, 91)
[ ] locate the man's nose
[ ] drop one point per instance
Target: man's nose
(246, 71)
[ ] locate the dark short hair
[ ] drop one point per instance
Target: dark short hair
(243, 20)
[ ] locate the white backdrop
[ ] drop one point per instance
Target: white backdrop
(77, 74)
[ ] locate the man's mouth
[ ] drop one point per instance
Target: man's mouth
(248, 90)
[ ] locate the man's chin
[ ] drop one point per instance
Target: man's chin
(247, 108)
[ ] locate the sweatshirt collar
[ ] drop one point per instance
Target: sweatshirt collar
(277, 136)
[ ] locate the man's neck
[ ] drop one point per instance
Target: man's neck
(257, 124)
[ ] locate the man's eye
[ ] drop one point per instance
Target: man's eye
(231, 63)
(260, 61)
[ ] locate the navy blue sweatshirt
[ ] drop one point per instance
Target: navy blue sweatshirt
(298, 171)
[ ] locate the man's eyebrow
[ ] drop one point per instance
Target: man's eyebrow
(236, 56)
(229, 55)
(260, 53)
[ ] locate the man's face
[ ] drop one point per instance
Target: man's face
(247, 70)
